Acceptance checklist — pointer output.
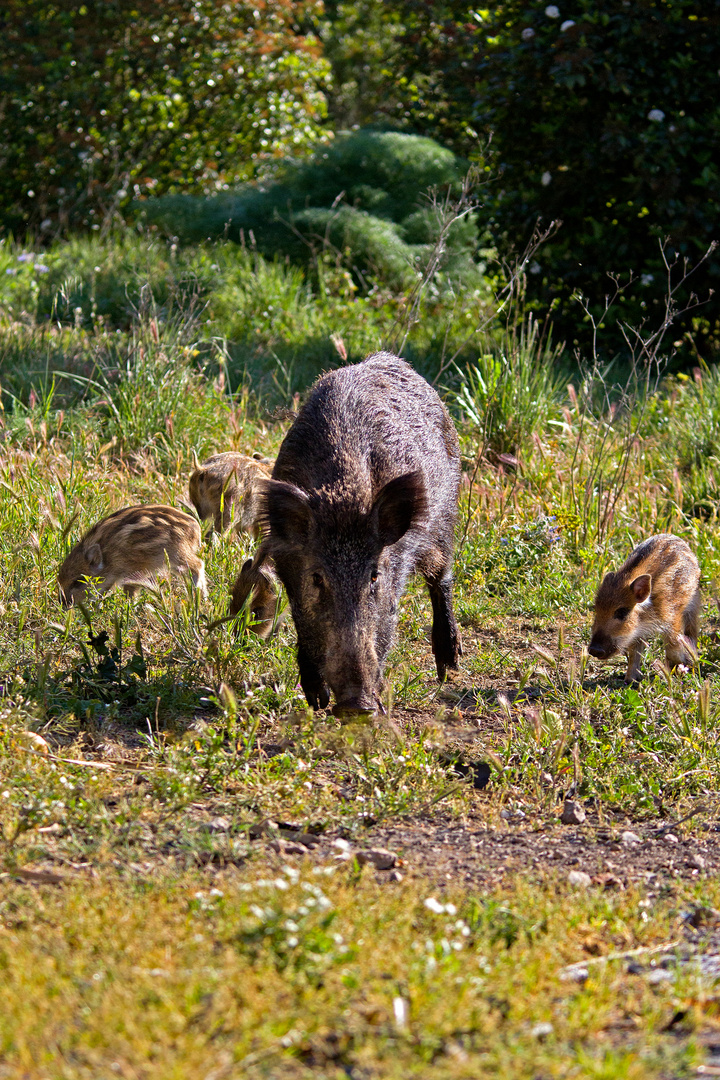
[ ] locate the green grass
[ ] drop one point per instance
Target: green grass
(169, 949)
(273, 971)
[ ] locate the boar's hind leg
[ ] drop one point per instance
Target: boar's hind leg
(312, 682)
(445, 636)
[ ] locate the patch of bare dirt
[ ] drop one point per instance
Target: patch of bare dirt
(480, 855)
(477, 855)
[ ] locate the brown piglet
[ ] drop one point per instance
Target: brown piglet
(133, 547)
(262, 585)
(225, 488)
(654, 592)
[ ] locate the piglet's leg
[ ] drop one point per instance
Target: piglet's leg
(197, 570)
(634, 655)
(691, 619)
(679, 651)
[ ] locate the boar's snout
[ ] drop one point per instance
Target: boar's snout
(354, 696)
(354, 704)
(354, 674)
(601, 646)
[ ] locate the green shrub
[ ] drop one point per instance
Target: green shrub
(362, 202)
(512, 390)
(686, 417)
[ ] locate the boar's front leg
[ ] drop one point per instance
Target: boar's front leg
(313, 685)
(445, 637)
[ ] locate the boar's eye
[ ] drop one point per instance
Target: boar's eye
(621, 613)
(374, 575)
(318, 581)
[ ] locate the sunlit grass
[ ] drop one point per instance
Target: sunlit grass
(271, 970)
(126, 727)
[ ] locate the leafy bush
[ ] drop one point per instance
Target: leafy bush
(154, 397)
(512, 390)
(597, 122)
(91, 280)
(686, 417)
(361, 202)
(101, 99)
(268, 324)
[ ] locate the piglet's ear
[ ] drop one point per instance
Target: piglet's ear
(399, 505)
(285, 512)
(641, 587)
(94, 557)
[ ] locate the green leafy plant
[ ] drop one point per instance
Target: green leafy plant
(361, 202)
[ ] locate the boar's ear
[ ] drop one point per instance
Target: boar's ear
(94, 557)
(641, 587)
(398, 505)
(285, 512)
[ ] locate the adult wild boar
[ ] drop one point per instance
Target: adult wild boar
(364, 491)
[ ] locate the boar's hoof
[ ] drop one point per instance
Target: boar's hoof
(447, 650)
(316, 692)
(318, 697)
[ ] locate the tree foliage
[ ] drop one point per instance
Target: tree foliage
(605, 116)
(104, 99)
(362, 42)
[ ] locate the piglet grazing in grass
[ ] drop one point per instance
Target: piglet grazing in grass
(133, 547)
(654, 592)
(261, 584)
(225, 488)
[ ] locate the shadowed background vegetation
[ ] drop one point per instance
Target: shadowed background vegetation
(604, 120)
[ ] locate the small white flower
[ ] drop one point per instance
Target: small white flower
(534, 267)
(400, 1009)
(434, 905)
(528, 34)
(552, 12)
(656, 115)
(545, 179)
(647, 279)
(567, 24)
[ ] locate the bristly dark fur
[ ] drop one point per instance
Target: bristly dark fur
(364, 491)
